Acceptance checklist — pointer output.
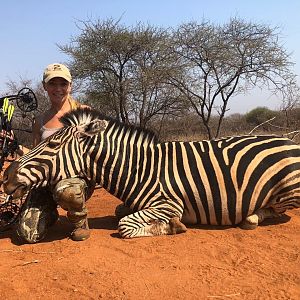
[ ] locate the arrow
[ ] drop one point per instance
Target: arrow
(10, 112)
(5, 105)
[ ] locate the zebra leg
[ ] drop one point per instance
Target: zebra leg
(122, 211)
(252, 221)
(176, 226)
(70, 194)
(151, 222)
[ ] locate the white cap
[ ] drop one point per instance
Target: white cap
(56, 70)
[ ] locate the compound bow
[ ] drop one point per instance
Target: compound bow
(27, 102)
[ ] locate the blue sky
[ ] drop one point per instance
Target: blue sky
(31, 29)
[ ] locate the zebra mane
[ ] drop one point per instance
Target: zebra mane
(81, 116)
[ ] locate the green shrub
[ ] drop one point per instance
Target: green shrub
(259, 115)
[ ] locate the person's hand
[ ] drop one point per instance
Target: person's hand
(8, 142)
(6, 134)
(9, 135)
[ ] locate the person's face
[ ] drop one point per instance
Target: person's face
(58, 89)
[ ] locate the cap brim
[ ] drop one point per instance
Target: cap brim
(57, 74)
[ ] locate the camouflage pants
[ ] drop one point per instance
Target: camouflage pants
(39, 212)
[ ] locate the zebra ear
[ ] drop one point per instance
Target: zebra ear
(92, 128)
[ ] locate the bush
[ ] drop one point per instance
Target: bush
(259, 115)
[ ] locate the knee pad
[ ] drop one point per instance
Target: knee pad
(70, 193)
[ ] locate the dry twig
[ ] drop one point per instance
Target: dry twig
(294, 134)
(10, 250)
(21, 250)
(30, 262)
(222, 296)
(268, 121)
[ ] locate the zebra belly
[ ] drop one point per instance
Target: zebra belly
(189, 218)
(210, 213)
(224, 211)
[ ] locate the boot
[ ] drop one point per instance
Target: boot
(81, 233)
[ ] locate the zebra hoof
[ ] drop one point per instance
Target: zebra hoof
(247, 225)
(176, 226)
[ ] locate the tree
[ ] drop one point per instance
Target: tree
(218, 62)
(142, 73)
(290, 104)
(124, 70)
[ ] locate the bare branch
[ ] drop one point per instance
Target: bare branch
(259, 125)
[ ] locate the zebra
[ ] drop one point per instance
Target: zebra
(238, 180)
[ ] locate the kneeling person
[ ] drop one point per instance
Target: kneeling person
(39, 212)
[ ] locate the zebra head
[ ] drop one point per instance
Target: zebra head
(60, 156)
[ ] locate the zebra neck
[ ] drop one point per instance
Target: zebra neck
(126, 165)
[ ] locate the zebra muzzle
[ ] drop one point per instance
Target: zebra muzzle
(15, 191)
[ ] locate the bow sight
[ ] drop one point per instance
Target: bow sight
(26, 101)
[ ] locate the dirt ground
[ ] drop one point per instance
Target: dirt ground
(204, 263)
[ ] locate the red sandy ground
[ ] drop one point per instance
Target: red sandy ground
(204, 263)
